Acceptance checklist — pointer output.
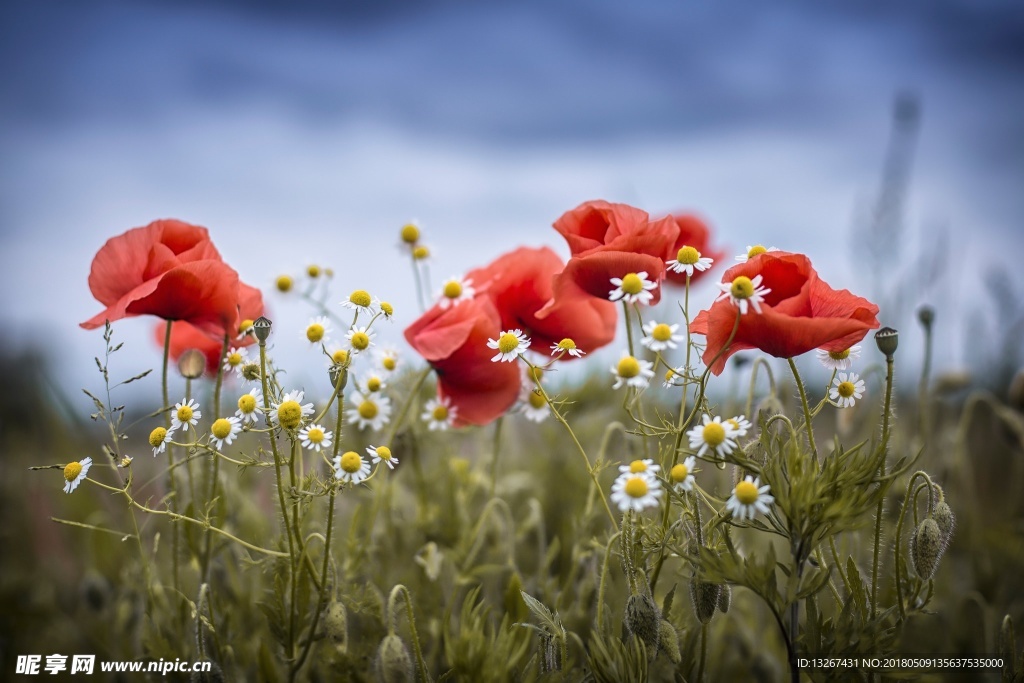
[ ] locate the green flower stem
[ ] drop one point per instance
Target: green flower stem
(403, 592)
(881, 497)
(899, 536)
(413, 394)
(758, 362)
(703, 651)
(629, 327)
(215, 473)
(601, 585)
(171, 485)
(922, 389)
(807, 409)
(496, 448)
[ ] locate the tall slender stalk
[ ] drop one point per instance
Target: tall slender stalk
(881, 496)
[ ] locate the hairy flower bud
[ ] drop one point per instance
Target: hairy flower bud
(926, 548)
(944, 517)
(335, 622)
(668, 641)
(644, 621)
(725, 598)
(393, 663)
(705, 597)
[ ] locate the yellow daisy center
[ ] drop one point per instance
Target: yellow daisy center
(373, 384)
(410, 234)
(733, 422)
(636, 487)
(756, 250)
(661, 332)
(637, 466)
(389, 362)
(360, 297)
(632, 284)
(628, 367)
(508, 342)
(688, 256)
(383, 452)
(340, 357)
(420, 253)
(351, 462)
(315, 332)
(536, 399)
(746, 492)
(453, 289)
(284, 283)
(221, 428)
(845, 389)
(245, 326)
(360, 341)
(184, 414)
(440, 413)
(247, 403)
(713, 434)
(313, 270)
(157, 436)
(679, 473)
(670, 375)
(72, 470)
(839, 355)
(367, 410)
(387, 308)
(234, 359)
(567, 344)
(316, 435)
(742, 287)
(289, 414)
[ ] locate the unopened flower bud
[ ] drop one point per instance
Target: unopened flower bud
(261, 328)
(887, 340)
(191, 364)
(944, 517)
(926, 315)
(214, 675)
(725, 598)
(926, 548)
(336, 625)
(668, 641)
(393, 664)
(705, 598)
(644, 621)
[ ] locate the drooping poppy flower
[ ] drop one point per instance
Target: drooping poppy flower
(799, 313)
(169, 269)
(454, 342)
(520, 284)
(693, 232)
(185, 336)
(596, 223)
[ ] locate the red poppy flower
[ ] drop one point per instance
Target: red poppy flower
(169, 269)
(800, 313)
(596, 223)
(693, 232)
(185, 336)
(520, 285)
(454, 342)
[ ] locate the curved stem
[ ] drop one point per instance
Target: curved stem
(806, 407)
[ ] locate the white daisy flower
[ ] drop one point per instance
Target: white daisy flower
(359, 301)
(387, 360)
(838, 360)
(351, 467)
(510, 345)
(159, 438)
(846, 389)
(743, 292)
(360, 338)
(315, 438)
(633, 288)
(250, 406)
(636, 492)
(567, 346)
(290, 411)
(645, 466)
(370, 411)
(532, 404)
(372, 384)
(660, 336)
(632, 371)
(681, 475)
(688, 260)
(382, 454)
(674, 377)
(454, 291)
(224, 430)
(439, 413)
(386, 309)
(740, 425)
(74, 474)
(749, 498)
(245, 329)
(752, 251)
(235, 359)
(185, 414)
(318, 330)
(338, 355)
(713, 435)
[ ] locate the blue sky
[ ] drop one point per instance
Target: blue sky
(310, 134)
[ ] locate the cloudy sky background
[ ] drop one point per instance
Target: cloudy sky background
(312, 134)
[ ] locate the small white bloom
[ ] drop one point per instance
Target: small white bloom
(224, 430)
(315, 437)
(235, 359)
(510, 345)
(382, 454)
(306, 409)
(744, 291)
(636, 491)
(351, 467)
(749, 498)
(740, 425)
(532, 403)
(846, 389)
(372, 385)
(660, 336)
(250, 406)
(681, 475)
(74, 474)
(359, 301)
(713, 435)
(674, 377)
(633, 288)
(838, 360)
(371, 411)
(688, 260)
(567, 346)
(318, 330)
(632, 371)
(644, 466)
(387, 360)
(185, 414)
(454, 291)
(752, 251)
(159, 438)
(439, 413)
(360, 338)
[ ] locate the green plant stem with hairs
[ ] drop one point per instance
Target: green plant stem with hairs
(907, 502)
(881, 497)
(172, 501)
(807, 409)
(392, 607)
(215, 466)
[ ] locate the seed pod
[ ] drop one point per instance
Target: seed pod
(944, 517)
(393, 664)
(644, 621)
(338, 373)
(336, 625)
(926, 548)
(887, 339)
(705, 597)
(725, 598)
(668, 641)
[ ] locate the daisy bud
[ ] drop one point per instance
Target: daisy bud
(191, 364)
(944, 517)
(887, 340)
(926, 548)
(926, 315)
(705, 597)
(261, 328)
(644, 621)
(725, 598)
(668, 641)
(393, 663)
(336, 625)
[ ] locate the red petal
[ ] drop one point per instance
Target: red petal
(597, 222)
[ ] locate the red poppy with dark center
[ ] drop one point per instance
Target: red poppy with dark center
(169, 269)
(801, 313)
(693, 232)
(454, 342)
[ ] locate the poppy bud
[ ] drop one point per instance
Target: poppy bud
(926, 548)
(705, 597)
(944, 517)
(393, 664)
(336, 625)
(191, 364)
(887, 340)
(926, 315)
(725, 598)
(644, 621)
(261, 328)
(668, 640)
